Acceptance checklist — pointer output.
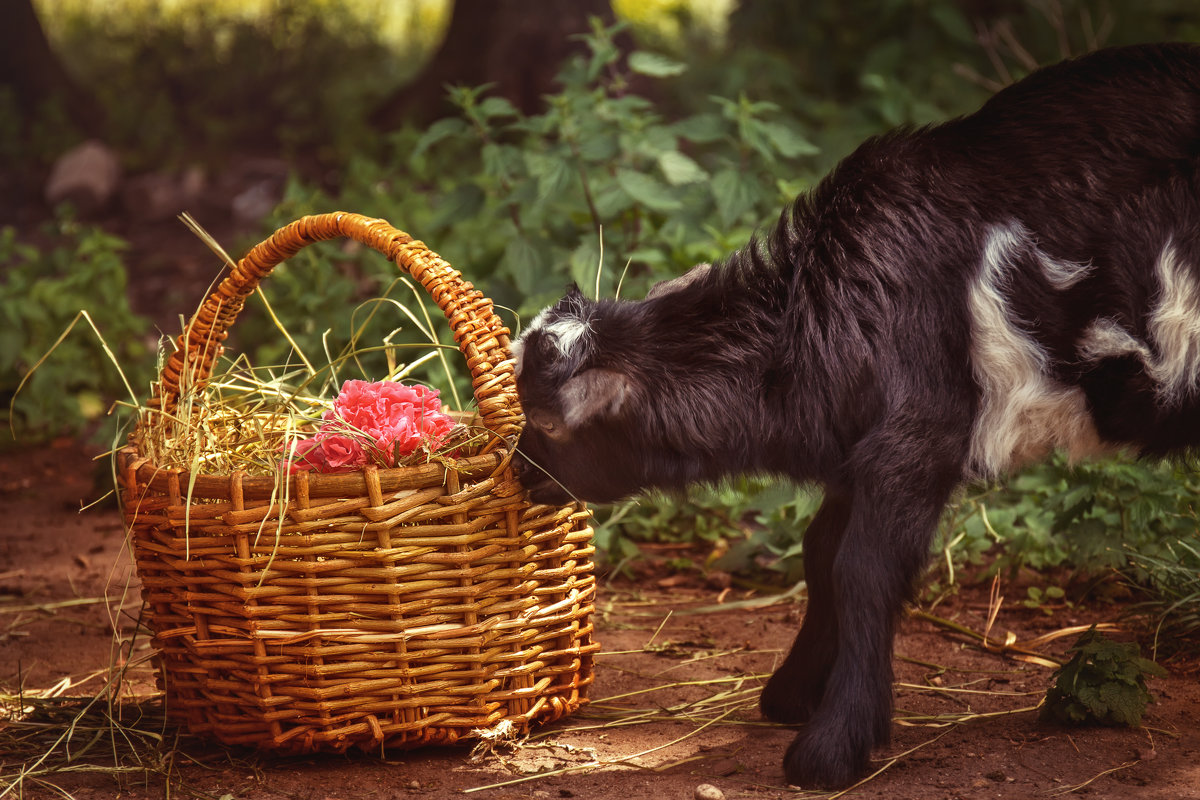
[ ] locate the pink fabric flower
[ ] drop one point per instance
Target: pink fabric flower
(381, 422)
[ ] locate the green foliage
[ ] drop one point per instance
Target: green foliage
(1103, 683)
(1039, 597)
(602, 181)
(1090, 515)
(752, 525)
(41, 296)
(1171, 586)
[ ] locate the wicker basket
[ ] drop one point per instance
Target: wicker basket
(380, 608)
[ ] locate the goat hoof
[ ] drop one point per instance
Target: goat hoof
(819, 760)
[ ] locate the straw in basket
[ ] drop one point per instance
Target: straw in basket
(379, 608)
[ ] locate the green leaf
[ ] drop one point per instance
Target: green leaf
(553, 174)
(439, 131)
(1103, 682)
(584, 262)
(612, 201)
(655, 65)
(497, 107)
(734, 193)
(702, 128)
(523, 262)
(463, 202)
(502, 161)
(680, 169)
(647, 191)
(789, 143)
(952, 21)
(598, 146)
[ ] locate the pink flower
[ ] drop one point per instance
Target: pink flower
(381, 422)
(304, 455)
(340, 452)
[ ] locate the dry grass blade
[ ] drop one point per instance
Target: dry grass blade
(243, 416)
(108, 351)
(51, 607)
(50, 733)
(1083, 786)
(1027, 650)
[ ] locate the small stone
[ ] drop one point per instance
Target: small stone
(86, 175)
(252, 205)
(706, 791)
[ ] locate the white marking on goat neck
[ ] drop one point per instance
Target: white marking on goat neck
(1024, 413)
(1175, 327)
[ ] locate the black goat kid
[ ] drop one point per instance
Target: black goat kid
(950, 303)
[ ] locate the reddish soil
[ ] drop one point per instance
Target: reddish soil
(66, 584)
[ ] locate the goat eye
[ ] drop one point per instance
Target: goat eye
(548, 425)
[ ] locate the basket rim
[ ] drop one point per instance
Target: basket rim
(215, 486)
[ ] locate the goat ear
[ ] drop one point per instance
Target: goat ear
(691, 276)
(593, 394)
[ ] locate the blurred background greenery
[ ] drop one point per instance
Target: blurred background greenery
(531, 144)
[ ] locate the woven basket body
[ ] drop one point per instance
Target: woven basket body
(384, 607)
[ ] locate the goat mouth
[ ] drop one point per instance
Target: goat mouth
(544, 489)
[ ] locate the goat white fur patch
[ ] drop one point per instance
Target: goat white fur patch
(1024, 413)
(1105, 338)
(1175, 328)
(566, 333)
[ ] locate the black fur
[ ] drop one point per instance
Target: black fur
(849, 348)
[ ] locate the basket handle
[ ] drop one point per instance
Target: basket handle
(478, 332)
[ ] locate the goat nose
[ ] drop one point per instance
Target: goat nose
(527, 473)
(521, 466)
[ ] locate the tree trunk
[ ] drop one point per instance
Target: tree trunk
(30, 67)
(518, 45)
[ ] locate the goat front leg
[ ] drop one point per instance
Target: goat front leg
(794, 691)
(882, 552)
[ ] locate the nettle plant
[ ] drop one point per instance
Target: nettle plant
(602, 179)
(67, 382)
(1093, 515)
(601, 183)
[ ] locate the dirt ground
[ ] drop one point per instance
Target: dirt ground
(674, 703)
